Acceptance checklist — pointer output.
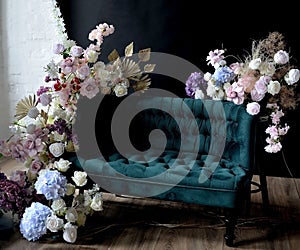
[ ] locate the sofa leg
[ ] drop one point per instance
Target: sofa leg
(230, 223)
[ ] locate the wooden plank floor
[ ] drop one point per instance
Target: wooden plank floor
(135, 224)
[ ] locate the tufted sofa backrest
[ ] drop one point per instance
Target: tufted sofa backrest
(219, 128)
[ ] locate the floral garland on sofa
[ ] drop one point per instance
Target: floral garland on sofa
(265, 81)
(52, 195)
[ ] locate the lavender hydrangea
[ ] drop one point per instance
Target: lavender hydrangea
(223, 75)
(195, 81)
(33, 222)
(51, 183)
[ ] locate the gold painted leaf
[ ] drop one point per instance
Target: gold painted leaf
(44, 115)
(143, 84)
(114, 55)
(129, 50)
(149, 68)
(144, 55)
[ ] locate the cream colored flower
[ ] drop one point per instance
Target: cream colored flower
(53, 223)
(58, 205)
(70, 232)
(62, 165)
(80, 178)
(96, 204)
(274, 87)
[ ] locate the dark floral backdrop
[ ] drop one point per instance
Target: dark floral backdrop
(189, 29)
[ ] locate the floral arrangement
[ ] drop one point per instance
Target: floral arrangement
(51, 195)
(264, 81)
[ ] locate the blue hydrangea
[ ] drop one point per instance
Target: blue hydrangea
(223, 75)
(52, 184)
(194, 82)
(33, 222)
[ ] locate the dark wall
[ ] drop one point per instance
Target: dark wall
(189, 29)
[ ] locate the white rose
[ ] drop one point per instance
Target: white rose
(70, 189)
(58, 205)
(274, 87)
(70, 232)
(53, 223)
(71, 215)
(292, 76)
(255, 63)
(80, 178)
(97, 202)
(62, 165)
(120, 90)
(56, 149)
(281, 57)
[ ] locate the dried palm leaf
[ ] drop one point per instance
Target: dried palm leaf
(130, 68)
(24, 105)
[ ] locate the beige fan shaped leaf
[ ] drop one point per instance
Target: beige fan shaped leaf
(129, 50)
(130, 68)
(24, 105)
(114, 55)
(144, 55)
(149, 68)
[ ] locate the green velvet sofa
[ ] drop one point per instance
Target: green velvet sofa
(177, 149)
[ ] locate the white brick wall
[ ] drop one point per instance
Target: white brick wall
(27, 33)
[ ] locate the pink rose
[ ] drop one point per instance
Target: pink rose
(84, 71)
(89, 88)
(76, 51)
(261, 84)
(253, 108)
(256, 96)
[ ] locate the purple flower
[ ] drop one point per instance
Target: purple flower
(33, 222)
(15, 198)
(223, 75)
(42, 90)
(51, 183)
(194, 82)
(45, 99)
(58, 48)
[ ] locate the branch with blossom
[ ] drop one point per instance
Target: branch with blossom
(264, 80)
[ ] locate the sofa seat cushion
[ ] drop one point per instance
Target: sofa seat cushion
(169, 169)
